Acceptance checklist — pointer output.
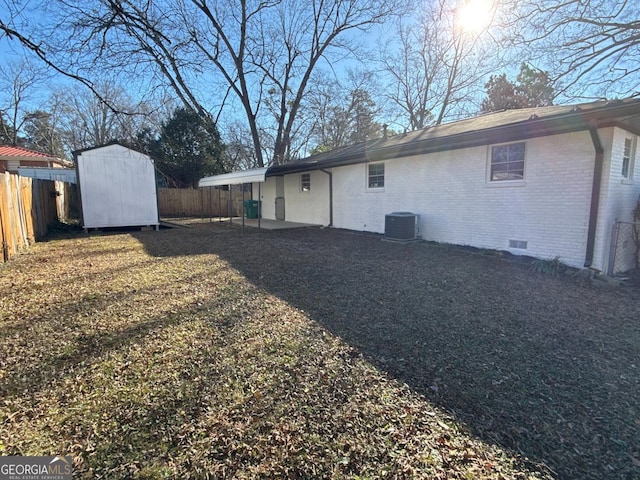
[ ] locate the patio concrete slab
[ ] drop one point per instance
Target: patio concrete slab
(268, 224)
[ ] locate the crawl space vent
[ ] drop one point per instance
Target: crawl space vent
(519, 244)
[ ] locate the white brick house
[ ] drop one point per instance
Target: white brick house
(546, 182)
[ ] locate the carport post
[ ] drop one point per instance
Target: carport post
(229, 208)
(210, 205)
(202, 206)
(259, 205)
(242, 185)
(219, 205)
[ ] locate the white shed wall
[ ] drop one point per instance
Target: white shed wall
(450, 190)
(117, 188)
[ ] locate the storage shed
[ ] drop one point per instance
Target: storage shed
(117, 187)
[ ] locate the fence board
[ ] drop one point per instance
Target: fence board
(27, 208)
(202, 202)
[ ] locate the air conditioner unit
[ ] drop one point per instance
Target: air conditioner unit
(401, 226)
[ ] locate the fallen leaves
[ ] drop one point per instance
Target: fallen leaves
(215, 352)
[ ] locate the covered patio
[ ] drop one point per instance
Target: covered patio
(255, 176)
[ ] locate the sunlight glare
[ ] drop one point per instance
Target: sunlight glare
(475, 15)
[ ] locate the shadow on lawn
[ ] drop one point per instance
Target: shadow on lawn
(540, 365)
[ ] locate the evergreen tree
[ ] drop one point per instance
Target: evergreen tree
(532, 89)
(188, 148)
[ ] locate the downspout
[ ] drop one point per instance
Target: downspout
(595, 192)
(330, 196)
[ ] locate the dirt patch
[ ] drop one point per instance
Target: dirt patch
(313, 354)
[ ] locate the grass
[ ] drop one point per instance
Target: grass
(551, 266)
(213, 352)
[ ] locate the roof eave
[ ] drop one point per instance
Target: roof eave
(504, 133)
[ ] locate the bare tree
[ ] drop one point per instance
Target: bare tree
(591, 46)
(343, 112)
(258, 49)
(89, 121)
(436, 67)
(18, 83)
(17, 25)
(239, 153)
(42, 133)
(271, 49)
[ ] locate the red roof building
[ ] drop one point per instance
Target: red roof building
(13, 157)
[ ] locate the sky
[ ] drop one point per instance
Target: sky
(472, 18)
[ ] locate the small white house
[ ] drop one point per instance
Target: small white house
(545, 182)
(117, 187)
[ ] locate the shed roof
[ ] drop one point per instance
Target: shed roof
(80, 151)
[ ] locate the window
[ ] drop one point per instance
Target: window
(507, 162)
(375, 178)
(626, 158)
(305, 182)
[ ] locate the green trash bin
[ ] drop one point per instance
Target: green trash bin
(252, 208)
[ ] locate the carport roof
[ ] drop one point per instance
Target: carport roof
(235, 178)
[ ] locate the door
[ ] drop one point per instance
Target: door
(279, 198)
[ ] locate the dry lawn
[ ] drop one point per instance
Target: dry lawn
(213, 352)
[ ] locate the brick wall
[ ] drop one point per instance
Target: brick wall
(457, 204)
(618, 197)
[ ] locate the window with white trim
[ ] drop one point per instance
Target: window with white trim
(507, 162)
(626, 158)
(375, 175)
(305, 182)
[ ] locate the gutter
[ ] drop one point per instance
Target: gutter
(330, 195)
(595, 192)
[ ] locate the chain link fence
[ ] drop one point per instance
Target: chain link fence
(625, 247)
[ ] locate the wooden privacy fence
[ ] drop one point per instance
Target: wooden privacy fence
(201, 202)
(27, 208)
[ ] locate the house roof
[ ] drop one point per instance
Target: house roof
(9, 152)
(487, 129)
(504, 126)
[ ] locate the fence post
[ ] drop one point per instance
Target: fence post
(5, 246)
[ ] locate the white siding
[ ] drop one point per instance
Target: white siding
(549, 209)
(117, 188)
(618, 198)
(307, 207)
(267, 191)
